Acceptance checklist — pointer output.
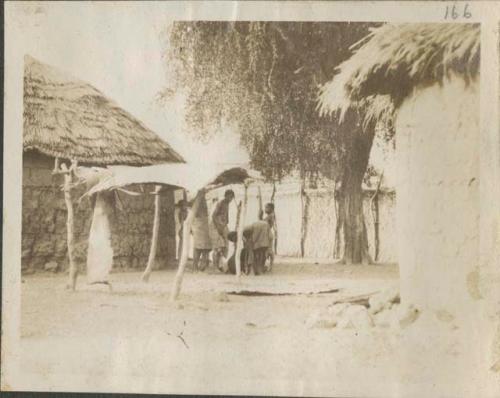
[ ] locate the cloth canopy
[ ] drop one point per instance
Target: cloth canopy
(181, 175)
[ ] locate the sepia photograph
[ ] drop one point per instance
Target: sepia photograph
(252, 198)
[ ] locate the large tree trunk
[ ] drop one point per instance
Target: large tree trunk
(350, 203)
(353, 226)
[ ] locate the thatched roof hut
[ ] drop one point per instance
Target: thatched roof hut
(393, 60)
(431, 72)
(69, 119)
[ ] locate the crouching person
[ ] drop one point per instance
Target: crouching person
(257, 239)
(260, 236)
(245, 256)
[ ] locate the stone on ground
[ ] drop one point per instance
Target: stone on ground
(342, 315)
(338, 309)
(355, 317)
(383, 300)
(388, 318)
(407, 314)
(321, 319)
(327, 318)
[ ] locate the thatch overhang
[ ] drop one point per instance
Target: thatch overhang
(69, 119)
(394, 59)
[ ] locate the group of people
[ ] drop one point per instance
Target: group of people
(211, 234)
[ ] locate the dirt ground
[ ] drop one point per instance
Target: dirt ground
(134, 339)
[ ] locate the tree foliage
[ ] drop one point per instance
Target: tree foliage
(262, 79)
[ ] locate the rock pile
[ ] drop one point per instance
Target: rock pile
(382, 310)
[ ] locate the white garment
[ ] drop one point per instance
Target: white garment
(100, 252)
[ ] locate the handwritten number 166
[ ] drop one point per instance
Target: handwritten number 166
(453, 12)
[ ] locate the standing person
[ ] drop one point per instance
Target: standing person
(219, 229)
(201, 236)
(181, 217)
(270, 218)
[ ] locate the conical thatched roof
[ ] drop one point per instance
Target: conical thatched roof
(395, 59)
(67, 118)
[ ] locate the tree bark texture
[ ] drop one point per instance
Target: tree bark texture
(350, 203)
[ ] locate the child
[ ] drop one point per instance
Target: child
(270, 218)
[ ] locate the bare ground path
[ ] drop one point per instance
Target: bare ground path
(209, 341)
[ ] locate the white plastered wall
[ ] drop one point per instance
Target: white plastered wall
(438, 195)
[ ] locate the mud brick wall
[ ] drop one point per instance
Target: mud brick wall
(44, 222)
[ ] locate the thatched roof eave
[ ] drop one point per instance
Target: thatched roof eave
(101, 161)
(399, 58)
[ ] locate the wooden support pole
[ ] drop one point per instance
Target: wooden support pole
(338, 222)
(237, 258)
(154, 236)
(238, 217)
(305, 217)
(374, 206)
(56, 166)
(73, 271)
(239, 237)
(260, 215)
(176, 288)
(275, 221)
(180, 237)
